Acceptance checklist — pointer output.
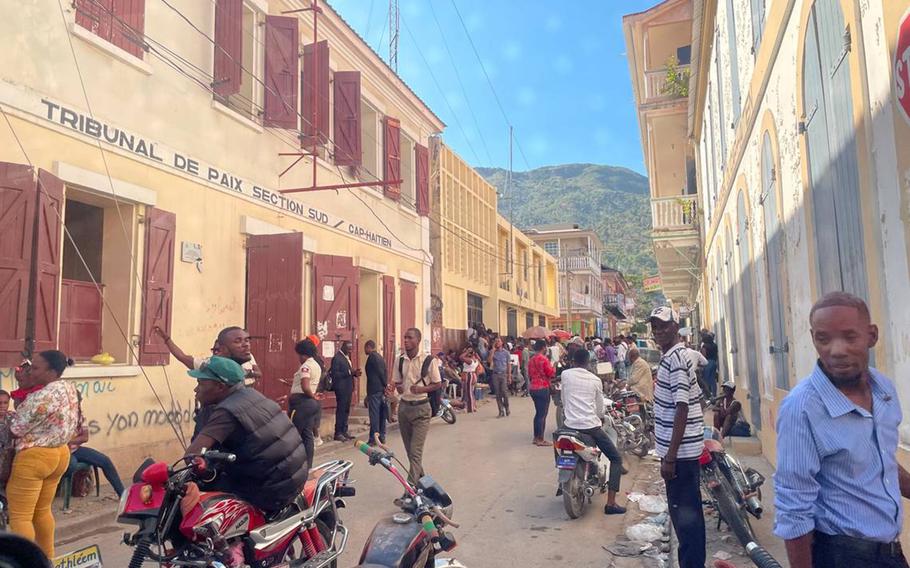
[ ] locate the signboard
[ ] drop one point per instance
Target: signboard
(652, 284)
(902, 67)
(88, 557)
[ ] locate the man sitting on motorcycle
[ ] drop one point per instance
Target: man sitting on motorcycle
(583, 405)
(271, 465)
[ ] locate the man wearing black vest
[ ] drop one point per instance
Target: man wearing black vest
(343, 374)
(271, 465)
(415, 376)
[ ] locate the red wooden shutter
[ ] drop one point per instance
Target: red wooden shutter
(158, 285)
(127, 25)
(47, 260)
(408, 306)
(315, 68)
(81, 312)
(281, 69)
(17, 222)
(422, 158)
(228, 47)
(392, 145)
(347, 118)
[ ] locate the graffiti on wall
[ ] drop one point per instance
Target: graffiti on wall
(153, 417)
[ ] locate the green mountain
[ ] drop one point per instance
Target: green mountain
(613, 201)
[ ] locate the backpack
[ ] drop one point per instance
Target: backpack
(424, 372)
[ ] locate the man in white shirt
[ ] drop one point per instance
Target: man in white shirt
(622, 354)
(583, 405)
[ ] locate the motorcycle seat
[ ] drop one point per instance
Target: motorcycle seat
(582, 437)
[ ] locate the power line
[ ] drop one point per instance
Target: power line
(489, 82)
(464, 91)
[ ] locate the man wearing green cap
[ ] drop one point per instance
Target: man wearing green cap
(271, 465)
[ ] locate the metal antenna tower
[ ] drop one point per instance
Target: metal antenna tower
(394, 21)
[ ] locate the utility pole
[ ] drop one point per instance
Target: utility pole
(511, 210)
(394, 21)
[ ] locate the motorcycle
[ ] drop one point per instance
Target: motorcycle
(582, 467)
(182, 526)
(413, 537)
(446, 410)
(735, 494)
(629, 416)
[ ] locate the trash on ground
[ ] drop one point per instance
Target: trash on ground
(659, 520)
(722, 555)
(644, 532)
(635, 496)
(628, 548)
(652, 504)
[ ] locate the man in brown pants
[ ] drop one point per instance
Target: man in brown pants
(415, 376)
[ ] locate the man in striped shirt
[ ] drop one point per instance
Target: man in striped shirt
(838, 486)
(679, 431)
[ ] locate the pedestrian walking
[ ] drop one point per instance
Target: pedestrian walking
(541, 372)
(377, 384)
(622, 354)
(583, 404)
(47, 417)
(343, 374)
(415, 376)
(709, 375)
(500, 363)
(470, 368)
(305, 400)
(838, 486)
(679, 433)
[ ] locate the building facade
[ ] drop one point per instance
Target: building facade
(578, 253)
(659, 49)
(143, 164)
(489, 273)
(619, 303)
(798, 115)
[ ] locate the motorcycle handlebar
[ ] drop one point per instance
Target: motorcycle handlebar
(220, 456)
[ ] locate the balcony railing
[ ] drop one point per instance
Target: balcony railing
(674, 213)
(655, 84)
(571, 263)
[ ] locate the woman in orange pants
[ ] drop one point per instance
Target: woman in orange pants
(46, 419)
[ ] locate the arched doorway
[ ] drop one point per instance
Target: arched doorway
(775, 260)
(831, 146)
(746, 297)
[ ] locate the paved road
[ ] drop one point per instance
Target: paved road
(502, 486)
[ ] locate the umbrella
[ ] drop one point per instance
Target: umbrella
(561, 334)
(537, 332)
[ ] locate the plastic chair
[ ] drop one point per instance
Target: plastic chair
(67, 482)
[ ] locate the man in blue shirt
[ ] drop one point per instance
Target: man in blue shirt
(838, 484)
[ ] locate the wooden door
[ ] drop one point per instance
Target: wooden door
(408, 305)
(390, 337)
(775, 258)
(336, 293)
(274, 307)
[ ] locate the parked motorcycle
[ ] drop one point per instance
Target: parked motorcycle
(628, 414)
(446, 410)
(181, 526)
(413, 537)
(583, 470)
(735, 494)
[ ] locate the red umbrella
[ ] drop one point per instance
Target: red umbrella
(561, 334)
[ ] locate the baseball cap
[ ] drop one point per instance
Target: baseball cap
(663, 313)
(219, 369)
(729, 384)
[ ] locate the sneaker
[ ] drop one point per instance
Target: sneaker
(614, 510)
(340, 438)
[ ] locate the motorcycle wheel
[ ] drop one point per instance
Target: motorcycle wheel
(573, 494)
(731, 512)
(448, 415)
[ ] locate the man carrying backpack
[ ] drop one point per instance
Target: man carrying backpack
(415, 377)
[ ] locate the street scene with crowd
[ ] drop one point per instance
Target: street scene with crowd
(275, 293)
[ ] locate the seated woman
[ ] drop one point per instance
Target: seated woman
(81, 454)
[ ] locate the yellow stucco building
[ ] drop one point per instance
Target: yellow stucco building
(490, 273)
(141, 176)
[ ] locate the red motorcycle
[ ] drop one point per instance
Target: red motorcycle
(182, 526)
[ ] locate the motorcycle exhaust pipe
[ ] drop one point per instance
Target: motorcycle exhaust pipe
(589, 491)
(754, 505)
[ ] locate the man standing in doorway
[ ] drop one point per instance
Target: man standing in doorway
(679, 431)
(415, 376)
(343, 374)
(838, 486)
(377, 383)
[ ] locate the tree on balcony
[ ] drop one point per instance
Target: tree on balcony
(677, 83)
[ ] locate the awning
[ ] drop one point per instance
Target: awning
(616, 312)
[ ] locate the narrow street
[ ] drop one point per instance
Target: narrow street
(502, 486)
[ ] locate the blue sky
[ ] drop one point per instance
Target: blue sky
(559, 69)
